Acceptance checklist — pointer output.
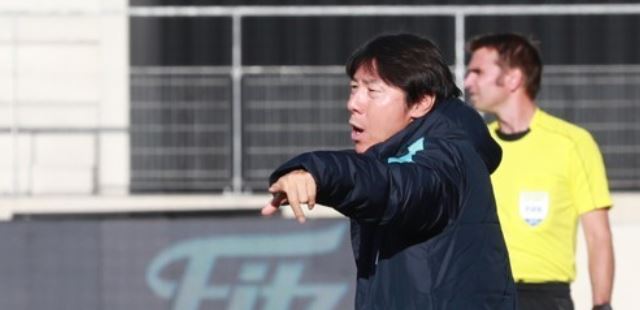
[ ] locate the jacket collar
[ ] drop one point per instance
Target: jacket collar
(432, 125)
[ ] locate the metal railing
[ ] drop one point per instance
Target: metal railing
(223, 128)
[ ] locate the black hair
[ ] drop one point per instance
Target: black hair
(409, 62)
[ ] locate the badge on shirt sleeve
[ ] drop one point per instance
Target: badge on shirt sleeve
(534, 207)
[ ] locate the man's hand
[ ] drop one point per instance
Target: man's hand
(295, 188)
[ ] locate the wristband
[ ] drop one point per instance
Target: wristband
(605, 306)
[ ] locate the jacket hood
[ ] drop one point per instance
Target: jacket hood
(476, 130)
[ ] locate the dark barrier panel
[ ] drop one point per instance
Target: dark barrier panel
(330, 40)
(180, 131)
(186, 264)
(285, 115)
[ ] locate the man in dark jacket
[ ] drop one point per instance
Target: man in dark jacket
(425, 232)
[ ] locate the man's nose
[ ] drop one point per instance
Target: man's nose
(467, 82)
(354, 104)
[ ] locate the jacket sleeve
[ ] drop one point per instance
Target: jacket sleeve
(368, 190)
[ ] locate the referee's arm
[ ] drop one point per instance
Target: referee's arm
(600, 250)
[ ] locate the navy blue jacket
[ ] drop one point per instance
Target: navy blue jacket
(424, 227)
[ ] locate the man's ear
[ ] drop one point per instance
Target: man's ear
(514, 79)
(422, 107)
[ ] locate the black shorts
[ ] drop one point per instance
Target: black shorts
(544, 296)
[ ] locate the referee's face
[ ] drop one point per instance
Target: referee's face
(484, 81)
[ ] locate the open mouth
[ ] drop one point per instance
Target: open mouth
(356, 132)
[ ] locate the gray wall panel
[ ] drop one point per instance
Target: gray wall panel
(184, 263)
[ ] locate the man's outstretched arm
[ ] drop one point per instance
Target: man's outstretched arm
(359, 186)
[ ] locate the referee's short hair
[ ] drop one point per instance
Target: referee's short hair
(514, 51)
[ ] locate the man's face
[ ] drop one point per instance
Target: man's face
(484, 80)
(378, 110)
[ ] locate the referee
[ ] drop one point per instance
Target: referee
(551, 176)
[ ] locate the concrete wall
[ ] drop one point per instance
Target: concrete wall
(63, 96)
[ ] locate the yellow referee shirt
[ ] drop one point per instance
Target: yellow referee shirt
(545, 181)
